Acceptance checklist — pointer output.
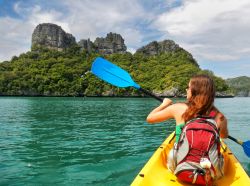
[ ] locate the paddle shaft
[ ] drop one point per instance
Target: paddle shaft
(150, 94)
(235, 140)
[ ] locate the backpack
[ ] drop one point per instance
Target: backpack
(197, 155)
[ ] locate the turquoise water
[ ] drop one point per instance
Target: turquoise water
(92, 141)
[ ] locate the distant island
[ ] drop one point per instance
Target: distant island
(240, 86)
(57, 65)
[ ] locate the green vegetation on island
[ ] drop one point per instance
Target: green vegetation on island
(240, 85)
(48, 72)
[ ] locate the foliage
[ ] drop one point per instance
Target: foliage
(47, 72)
(240, 85)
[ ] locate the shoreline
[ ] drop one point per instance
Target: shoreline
(227, 96)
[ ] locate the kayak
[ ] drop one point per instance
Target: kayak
(156, 173)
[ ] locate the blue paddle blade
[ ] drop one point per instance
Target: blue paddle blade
(246, 147)
(112, 74)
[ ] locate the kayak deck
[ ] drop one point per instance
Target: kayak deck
(156, 173)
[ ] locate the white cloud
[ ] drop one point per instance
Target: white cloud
(193, 17)
(83, 19)
(35, 15)
(97, 18)
(16, 33)
(15, 38)
(215, 30)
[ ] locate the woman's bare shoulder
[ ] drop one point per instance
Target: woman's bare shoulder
(180, 107)
(178, 110)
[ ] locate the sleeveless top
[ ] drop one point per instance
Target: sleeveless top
(178, 130)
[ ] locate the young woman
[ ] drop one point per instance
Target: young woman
(200, 101)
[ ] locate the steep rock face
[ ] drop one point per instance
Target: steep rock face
(52, 36)
(87, 45)
(155, 47)
(113, 43)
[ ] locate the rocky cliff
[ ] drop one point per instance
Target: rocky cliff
(87, 45)
(112, 43)
(155, 48)
(166, 46)
(52, 36)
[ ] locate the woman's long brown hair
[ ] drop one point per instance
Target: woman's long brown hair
(202, 97)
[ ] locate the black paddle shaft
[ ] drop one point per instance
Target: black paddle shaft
(150, 94)
(235, 140)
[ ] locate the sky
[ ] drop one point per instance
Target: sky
(215, 32)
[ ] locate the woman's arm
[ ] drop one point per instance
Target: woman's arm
(161, 113)
(221, 121)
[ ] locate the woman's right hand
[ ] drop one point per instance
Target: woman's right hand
(166, 102)
(161, 112)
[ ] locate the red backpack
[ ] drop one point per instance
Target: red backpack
(198, 157)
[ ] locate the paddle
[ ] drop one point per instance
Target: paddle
(116, 76)
(245, 145)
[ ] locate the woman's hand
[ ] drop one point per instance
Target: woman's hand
(160, 113)
(166, 102)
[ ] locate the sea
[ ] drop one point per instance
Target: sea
(91, 141)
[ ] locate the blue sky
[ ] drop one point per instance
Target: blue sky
(215, 32)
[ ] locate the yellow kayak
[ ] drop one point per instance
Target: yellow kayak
(156, 173)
